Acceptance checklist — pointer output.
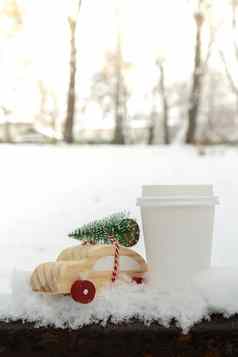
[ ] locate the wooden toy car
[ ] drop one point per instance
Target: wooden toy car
(83, 270)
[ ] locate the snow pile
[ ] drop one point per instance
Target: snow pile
(214, 290)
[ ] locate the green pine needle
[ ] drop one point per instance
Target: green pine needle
(123, 228)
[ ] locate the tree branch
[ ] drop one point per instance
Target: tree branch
(229, 76)
(234, 26)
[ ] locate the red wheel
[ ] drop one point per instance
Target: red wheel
(83, 291)
(138, 280)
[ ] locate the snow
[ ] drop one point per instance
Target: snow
(214, 290)
(47, 191)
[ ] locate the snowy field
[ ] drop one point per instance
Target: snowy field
(46, 192)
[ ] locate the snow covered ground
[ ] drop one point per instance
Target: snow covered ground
(46, 192)
(212, 291)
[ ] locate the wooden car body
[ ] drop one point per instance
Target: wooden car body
(93, 263)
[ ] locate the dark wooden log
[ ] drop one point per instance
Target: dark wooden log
(215, 338)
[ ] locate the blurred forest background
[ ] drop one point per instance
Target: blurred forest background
(119, 71)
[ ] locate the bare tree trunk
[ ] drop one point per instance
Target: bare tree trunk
(8, 136)
(7, 126)
(165, 106)
(69, 121)
(195, 96)
(118, 132)
(118, 135)
(151, 135)
(151, 132)
(151, 127)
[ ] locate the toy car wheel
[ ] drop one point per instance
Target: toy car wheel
(83, 291)
(138, 280)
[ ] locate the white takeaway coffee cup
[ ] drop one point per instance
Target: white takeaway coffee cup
(178, 228)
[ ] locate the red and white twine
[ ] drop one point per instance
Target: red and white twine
(116, 262)
(116, 251)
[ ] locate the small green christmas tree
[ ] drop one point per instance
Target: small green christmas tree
(118, 225)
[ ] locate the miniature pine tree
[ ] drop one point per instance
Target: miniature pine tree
(124, 229)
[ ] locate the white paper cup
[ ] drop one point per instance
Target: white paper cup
(178, 229)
